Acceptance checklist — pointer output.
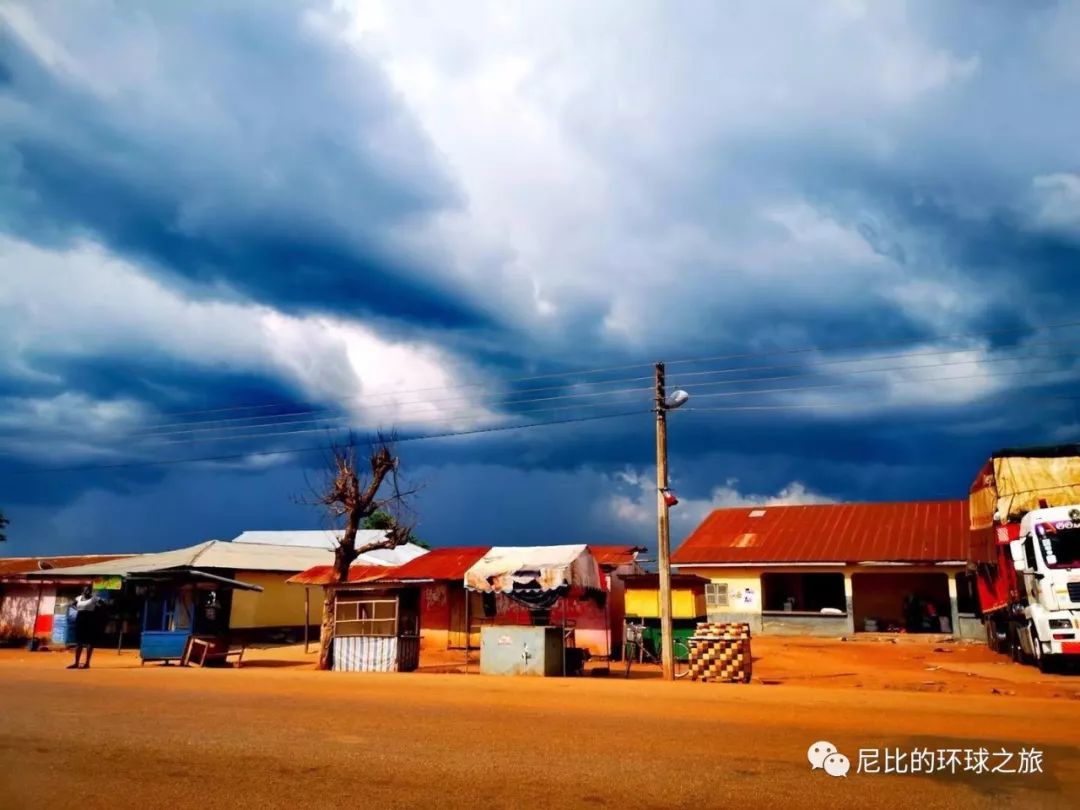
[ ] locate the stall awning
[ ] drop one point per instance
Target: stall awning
(506, 569)
(185, 575)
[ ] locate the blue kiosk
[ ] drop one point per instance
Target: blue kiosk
(182, 604)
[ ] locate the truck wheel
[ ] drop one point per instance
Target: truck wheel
(1046, 664)
(1016, 652)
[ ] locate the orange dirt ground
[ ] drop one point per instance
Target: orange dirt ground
(275, 733)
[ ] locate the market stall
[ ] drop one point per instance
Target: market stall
(538, 578)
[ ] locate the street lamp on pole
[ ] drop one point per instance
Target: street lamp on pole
(665, 499)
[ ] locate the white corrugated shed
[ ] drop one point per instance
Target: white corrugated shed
(328, 539)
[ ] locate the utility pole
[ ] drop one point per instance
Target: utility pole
(667, 650)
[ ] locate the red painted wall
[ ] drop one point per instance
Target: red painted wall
(589, 619)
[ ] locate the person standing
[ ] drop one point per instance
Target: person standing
(85, 607)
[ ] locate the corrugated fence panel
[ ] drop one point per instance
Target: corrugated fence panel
(366, 654)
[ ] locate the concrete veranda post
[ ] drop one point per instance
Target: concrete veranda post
(667, 651)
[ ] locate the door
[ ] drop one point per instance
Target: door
(458, 618)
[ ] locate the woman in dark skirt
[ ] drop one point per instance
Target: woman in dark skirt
(86, 616)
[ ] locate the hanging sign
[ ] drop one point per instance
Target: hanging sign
(108, 583)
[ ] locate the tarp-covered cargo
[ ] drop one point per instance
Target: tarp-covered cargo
(1012, 483)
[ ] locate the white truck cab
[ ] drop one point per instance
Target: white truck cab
(1047, 561)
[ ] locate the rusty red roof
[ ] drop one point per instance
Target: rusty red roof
(920, 531)
(615, 556)
(24, 565)
(324, 574)
(442, 563)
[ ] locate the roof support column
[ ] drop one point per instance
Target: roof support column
(849, 602)
(954, 610)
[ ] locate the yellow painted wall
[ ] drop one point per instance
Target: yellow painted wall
(645, 602)
(279, 605)
(739, 581)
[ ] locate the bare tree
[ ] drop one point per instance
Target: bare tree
(351, 495)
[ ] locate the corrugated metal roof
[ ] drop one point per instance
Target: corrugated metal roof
(139, 563)
(442, 563)
(616, 555)
(21, 565)
(324, 574)
(220, 554)
(213, 554)
(920, 531)
(326, 539)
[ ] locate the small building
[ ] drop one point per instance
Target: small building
(836, 569)
(537, 578)
(29, 607)
(232, 588)
(279, 608)
(643, 605)
(451, 618)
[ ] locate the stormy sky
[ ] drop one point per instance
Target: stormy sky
(231, 232)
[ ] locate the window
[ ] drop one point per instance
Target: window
(365, 617)
(1029, 554)
(716, 594)
(1061, 547)
(803, 593)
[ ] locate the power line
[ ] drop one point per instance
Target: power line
(184, 428)
(432, 417)
(260, 453)
(865, 385)
(257, 427)
(788, 389)
(677, 361)
(420, 402)
(695, 386)
(876, 345)
(877, 358)
(398, 411)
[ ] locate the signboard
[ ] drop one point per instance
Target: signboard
(108, 583)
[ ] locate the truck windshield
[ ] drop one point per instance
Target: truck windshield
(1060, 544)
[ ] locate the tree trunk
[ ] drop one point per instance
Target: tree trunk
(326, 633)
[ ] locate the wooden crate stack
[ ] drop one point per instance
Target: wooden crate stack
(721, 652)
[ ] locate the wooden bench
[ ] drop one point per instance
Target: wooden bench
(202, 650)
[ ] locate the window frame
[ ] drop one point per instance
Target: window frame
(717, 595)
(367, 622)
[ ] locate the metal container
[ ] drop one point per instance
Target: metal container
(521, 650)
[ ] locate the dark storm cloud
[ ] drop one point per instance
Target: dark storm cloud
(273, 162)
(236, 151)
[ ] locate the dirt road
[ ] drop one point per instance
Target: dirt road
(285, 736)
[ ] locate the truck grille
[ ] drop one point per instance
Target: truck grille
(1074, 591)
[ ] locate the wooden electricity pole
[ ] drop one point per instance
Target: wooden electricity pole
(667, 650)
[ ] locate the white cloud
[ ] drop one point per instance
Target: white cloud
(594, 145)
(635, 506)
(1056, 203)
(83, 303)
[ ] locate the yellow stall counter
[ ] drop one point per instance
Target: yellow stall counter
(687, 596)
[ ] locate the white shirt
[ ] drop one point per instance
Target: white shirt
(86, 602)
